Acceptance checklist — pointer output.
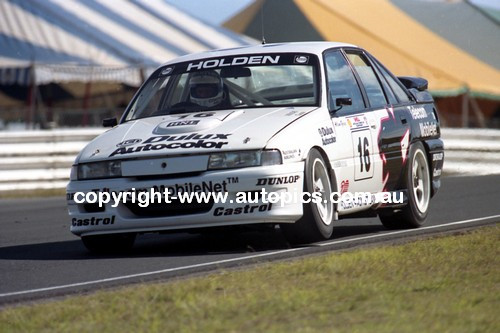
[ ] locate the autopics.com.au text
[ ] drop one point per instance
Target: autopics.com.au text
(145, 198)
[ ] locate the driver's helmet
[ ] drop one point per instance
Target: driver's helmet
(206, 88)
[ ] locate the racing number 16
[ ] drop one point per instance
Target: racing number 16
(363, 150)
(364, 154)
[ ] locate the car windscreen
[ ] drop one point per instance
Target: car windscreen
(233, 82)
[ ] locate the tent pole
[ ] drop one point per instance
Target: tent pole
(40, 110)
(28, 106)
(142, 73)
(86, 102)
(465, 108)
(477, 111)
(31, 99)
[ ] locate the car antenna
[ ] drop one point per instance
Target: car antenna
(262, 23)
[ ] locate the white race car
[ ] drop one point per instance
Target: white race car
(317, 118)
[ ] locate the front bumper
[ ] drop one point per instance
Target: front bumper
(130, 217)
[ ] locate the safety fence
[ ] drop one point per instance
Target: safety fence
(42, 159)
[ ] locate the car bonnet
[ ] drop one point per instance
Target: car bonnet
(192, 133)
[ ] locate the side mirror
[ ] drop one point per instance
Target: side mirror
(343, 101)
(109, 122)
(339, 103)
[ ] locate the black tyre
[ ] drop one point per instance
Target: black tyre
(109, 243)
(316, 223)
(418, 183)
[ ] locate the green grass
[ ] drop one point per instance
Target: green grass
(446, 284)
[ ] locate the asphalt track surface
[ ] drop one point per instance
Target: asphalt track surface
(40, 258)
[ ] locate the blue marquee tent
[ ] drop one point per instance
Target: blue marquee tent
(98, 40)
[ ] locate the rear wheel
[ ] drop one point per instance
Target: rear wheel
(316, 223)
(418, 183)
(109, 243)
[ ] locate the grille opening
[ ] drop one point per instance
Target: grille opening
(170, 176)
(93, 208)
(175, 208)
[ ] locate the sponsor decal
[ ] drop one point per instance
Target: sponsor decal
(357, 122)
(340, 164)
(167, 70)
(344, 186)
(247, 209)
(182, 123)
(357, 202)
(417, 112)
(164, 127)
(428, 129)
(289, 154)
(436, 173)
(163, 142)
(339, 122)
(193, 136)
(327, 135)
(236, 61)
(346, 205)
(301, 59)
(70, 196)
(437, 157)
(277, 180)
(129, 142)
(93, 221)
(175, 189)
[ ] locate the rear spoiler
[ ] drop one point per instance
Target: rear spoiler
(418, 83)
(417, 87)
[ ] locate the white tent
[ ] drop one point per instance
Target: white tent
(98, 40)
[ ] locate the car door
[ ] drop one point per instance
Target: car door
(353, 125)
(391, 126)
(395, 138)
(370, 123)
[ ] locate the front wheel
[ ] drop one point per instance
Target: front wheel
(109, 243)
(316, 223)
(418, 183)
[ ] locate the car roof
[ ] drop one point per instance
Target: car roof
(303, 47)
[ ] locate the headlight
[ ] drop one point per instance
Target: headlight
(242, 159)
(99, 170)
(73, 175)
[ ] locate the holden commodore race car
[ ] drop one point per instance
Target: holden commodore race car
(314, 118)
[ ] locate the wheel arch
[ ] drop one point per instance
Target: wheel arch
(331, 174)
(331, 171)
(428, 154)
